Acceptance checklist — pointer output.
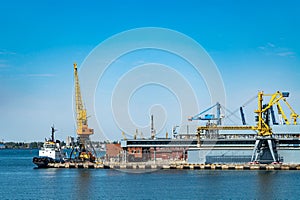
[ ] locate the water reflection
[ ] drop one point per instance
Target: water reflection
(83, 184)
(266, 183)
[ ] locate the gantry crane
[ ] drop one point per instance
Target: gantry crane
(83, 131)
(209, 116)
(265, 150)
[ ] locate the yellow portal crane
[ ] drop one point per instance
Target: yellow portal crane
(274, 100)
(262, 126)
(83, 130)
(265, 144)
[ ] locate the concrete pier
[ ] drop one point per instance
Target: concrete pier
(178, 166)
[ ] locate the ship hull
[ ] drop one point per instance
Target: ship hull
(42, 162)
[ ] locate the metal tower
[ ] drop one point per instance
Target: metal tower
(83, 131)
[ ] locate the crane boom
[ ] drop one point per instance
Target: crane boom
(280, 110)
(294, 115)
(209, 116)
(81, 117)
(275, 98)
(273, 116)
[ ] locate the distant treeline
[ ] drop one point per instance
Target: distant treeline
(38, 145)
(22, 145)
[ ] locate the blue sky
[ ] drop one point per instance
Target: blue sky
(254, 44)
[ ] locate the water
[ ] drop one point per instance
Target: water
(19, 180)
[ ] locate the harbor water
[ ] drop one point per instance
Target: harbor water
(20, 180)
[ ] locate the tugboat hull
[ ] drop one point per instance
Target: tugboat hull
(42, 162)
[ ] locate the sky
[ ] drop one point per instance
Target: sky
(254, 45)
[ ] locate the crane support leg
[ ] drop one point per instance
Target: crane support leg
(255, 151)
(271, 150)
(265, 151)
(198, 140)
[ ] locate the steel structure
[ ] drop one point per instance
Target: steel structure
(209, 116)
(83, 131)
(81, 117)
(265, 150)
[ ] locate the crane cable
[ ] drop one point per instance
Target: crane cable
(245, 104)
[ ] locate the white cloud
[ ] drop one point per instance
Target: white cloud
(272, 49)
(287, 53)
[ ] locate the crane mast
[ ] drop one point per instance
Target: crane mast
(83, 131)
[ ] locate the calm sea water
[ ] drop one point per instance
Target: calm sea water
(19, 180)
